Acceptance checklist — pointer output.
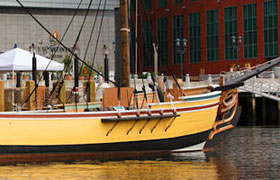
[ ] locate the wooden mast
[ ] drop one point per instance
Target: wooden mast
(124, 43)
(136, 36)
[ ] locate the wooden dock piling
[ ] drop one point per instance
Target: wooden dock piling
(30, 104)
(90, 91)
(2, 101)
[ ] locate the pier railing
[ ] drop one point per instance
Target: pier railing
(264, 84)
(266, 87)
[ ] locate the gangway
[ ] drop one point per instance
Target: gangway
(266, 87)
(269, 88)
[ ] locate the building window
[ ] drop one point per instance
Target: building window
(250, 30)
(162, 41)
(178, 32)
(212, 35)
(147, 4)
(178, 1)
(147, 43)
(270, 28)
(132, 5)
(194, 37)
(161, 3)
(230, 17)
(193, 0)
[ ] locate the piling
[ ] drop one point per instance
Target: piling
(253, 106)
(258, 111)
(90, 90)
(30, 104)
(248, 115)
(62, 93)
(2, 101)
(261, 110)
(272, 111)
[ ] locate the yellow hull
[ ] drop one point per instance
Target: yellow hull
(21, 129)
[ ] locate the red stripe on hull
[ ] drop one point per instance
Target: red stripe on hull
(88, 115)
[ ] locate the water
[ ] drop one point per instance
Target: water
(245, 153)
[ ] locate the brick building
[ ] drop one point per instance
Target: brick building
(208, 26)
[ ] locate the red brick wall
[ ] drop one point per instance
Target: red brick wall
(202, 6)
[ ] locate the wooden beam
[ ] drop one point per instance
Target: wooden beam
(124, 43)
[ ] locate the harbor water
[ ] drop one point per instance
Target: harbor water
(244, 153)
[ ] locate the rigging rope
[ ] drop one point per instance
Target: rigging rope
(155, 40)
(91, 34)
(99, 32)
(82, 26)
(63, 45)
(55, 51)
(76, 42)
(154, 37)
(92, 30)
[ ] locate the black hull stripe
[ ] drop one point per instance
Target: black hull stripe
(151, 145)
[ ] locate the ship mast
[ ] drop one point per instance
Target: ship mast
(136, 35)
(124, 43)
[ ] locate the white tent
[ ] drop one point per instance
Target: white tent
(21, 60)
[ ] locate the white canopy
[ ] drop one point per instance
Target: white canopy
(21, 60)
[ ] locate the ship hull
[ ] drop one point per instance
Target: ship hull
(178, 144)
(163, 128)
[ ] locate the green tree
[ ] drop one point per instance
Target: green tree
(68, 63)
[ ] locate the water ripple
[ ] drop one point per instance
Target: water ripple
(245, 153)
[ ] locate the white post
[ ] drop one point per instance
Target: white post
(149, 77)
(209, 78)
(187, 79)
(155, 61)
(135, 80)
(272, 75)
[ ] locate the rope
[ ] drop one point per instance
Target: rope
(55, 51)
(76, 42)
(92, 29)
(82, 26)
(99, 32)
(95, 50)
(63, 45)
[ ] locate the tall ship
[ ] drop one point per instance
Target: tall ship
(175, 120)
